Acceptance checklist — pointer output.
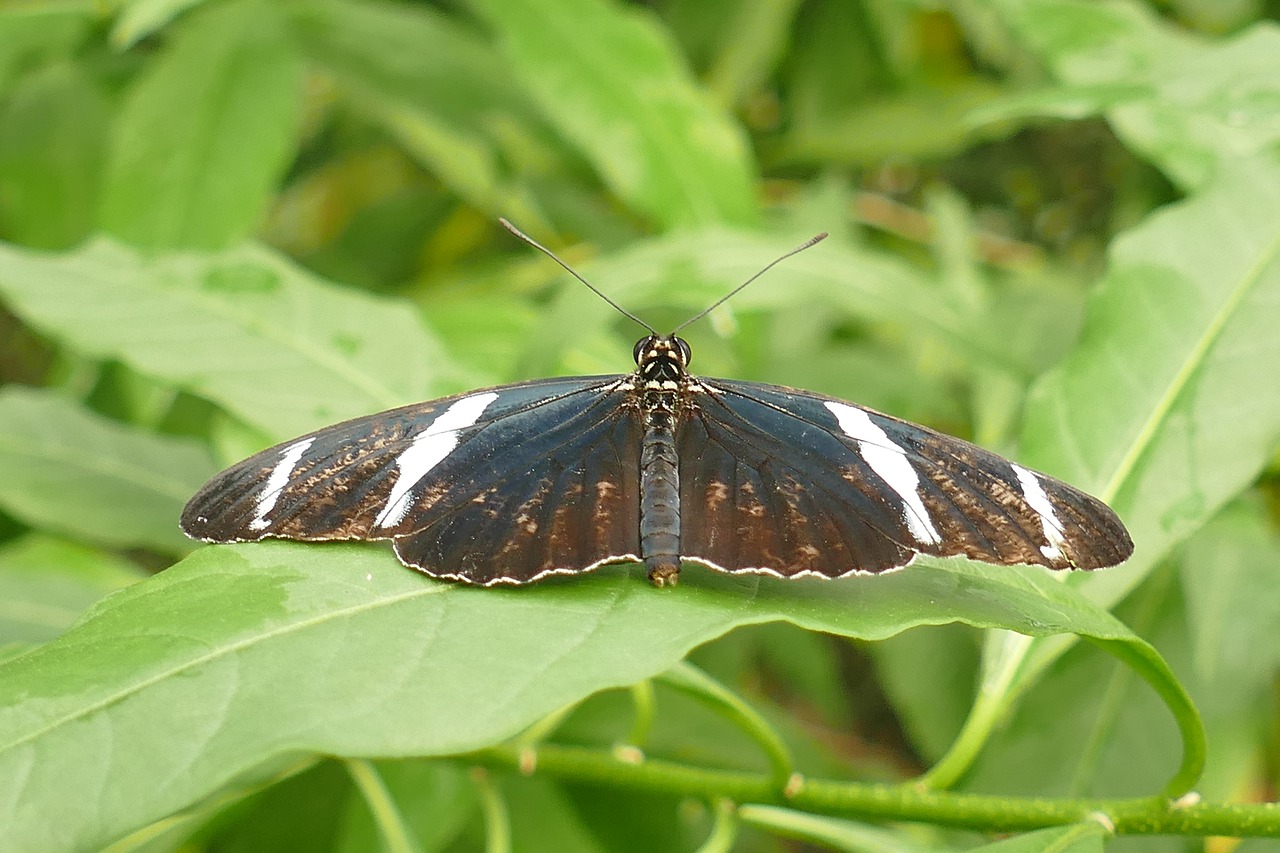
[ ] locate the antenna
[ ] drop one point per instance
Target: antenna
(811, 242)
(552, 255)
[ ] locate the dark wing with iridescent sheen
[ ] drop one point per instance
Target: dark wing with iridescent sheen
(787, 482)
(505, 485)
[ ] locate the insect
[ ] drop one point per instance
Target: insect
(512, 484)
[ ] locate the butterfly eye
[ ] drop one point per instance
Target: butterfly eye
(686, 355)
(642, 345)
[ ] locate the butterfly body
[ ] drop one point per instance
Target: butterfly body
(516, 483)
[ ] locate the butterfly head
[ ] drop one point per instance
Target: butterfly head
(662, 359)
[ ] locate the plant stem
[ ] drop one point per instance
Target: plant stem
(692, 681)
(991, 813)
(396, 835)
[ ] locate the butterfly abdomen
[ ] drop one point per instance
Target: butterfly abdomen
(660, 490)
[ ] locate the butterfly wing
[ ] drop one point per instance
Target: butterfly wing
(843, 489)
(499, 486)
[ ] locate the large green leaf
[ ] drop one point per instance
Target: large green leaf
(1215, 629)
(278, 347)
(205, 132)
(51, 138)
(613, 82)
(436, 85)
(65, 468)
(1186, 103)
(46, 583)
(243, 655)
(1230, 574)
(33, 37)
(1167, 408)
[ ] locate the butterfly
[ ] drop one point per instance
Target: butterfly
(512, 484)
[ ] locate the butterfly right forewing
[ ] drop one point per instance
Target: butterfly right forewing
(763, 491)
(791, 483)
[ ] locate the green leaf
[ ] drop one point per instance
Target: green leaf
(1080, 838)
(1111, 744)
(1188, 104)
(748, 45)
(241, 655)
(929, 676)
(65, 468)
(279, 348)
(141, 18)
(544, 819)
(1162, 410)
(205, 132)
(37, 36)
(923, 122)
(46, 583)
(306, 811)
(609, 78)
(51, 138)
(435, 85)
(1231, 573)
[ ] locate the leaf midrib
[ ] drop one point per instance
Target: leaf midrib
(361, 381)
(1195, 361)
(208, 657)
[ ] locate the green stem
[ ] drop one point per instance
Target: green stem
(396, 835)
(997, 695)
(990, 813)
(724, 829)
(989, 707)
(692, 681)
(642, 700)
(1146, 661)
(497, 823)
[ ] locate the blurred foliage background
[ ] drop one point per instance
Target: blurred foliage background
(229, 222)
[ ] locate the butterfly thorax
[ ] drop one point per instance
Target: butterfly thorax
(662, 374)
(662, 377)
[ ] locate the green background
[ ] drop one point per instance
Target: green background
(1055, 231)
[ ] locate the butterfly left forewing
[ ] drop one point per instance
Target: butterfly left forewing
(561, 500)
(500, 485)
(923, 492)
(330, 484)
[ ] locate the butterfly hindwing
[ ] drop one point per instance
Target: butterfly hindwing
(490, 486)
(848, 490)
